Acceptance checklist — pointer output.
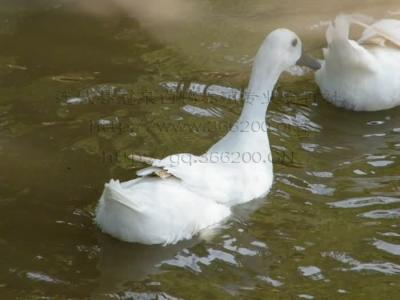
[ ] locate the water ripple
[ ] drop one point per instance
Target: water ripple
(314, 188)
(312, 272)
(192, 261)
(202, 112)
(142, 296)
(391, 234)
(36, 276)
(364, 201)
(387, 247)
(355, 265)
(382, 214)
(300, 121)
(270, 281)
(229, 245)
(306, 296)
(381, 163)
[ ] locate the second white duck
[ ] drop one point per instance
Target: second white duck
(362, 75)
(196, 192)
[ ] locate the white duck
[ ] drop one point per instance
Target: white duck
(196, 192)
(362, 75)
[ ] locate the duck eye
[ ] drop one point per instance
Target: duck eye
(294, 42)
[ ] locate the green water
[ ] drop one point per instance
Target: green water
(83, 84)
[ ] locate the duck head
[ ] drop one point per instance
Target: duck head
(286, 49)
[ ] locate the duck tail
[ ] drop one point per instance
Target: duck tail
(339, 29)
(114, 192)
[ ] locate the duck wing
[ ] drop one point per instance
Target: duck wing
(375, 32)
(381, 32)
(149, 171)
(198, 173)
(338, 33)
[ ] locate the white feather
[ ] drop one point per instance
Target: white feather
(380, 32)
(202, 190)
(362, 75)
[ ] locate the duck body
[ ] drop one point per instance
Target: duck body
(360, 75)
(151, 210)
(199, 195)
(197, 192)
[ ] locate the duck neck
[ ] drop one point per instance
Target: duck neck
(249, 131)
(262, 81)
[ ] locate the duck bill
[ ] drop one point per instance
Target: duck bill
(308, 61)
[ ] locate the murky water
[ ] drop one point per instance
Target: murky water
(82, 86)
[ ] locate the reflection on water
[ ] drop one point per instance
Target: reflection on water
(85, 83)
(379, 267)
(121, 262)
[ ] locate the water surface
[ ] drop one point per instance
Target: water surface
(82, 86)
